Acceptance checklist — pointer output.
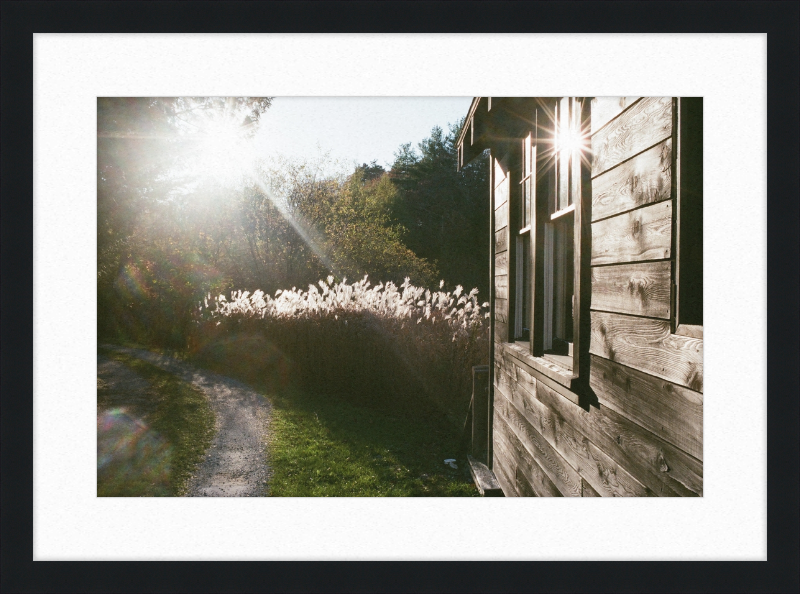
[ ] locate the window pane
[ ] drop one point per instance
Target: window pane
(526, 202)
(525, 213)
(564, 147)
(523, 281)
(563, 277)
(524, 208)
(547, 282)
(526, 169)
(526, 287)
(545, 156)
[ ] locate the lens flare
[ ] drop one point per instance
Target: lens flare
(132, 459)
(130, 281)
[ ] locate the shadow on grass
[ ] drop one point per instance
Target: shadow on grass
(324, 446)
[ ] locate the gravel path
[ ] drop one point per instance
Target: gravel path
(120, 386)
(235, 464)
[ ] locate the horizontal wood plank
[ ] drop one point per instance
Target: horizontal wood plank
(501, 263)
(503, 473)
(603, 473)
(501, 286)
(605, 109)
(524, 464)
(640, 289)
(501, 197)
(500, 332)
(642, 234)
(672, 412)
(531, 480)
(511, 377)
(524, 487)
(609, 478)
(501, 217)
(557, 469)
(501, 240)
(499, 176)
(645, 179)
(647, 345)
(504, 453)
(657, 464)
(513, 389)
(690, 330)
(646, 123)
(587, 489)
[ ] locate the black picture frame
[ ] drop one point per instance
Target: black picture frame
(780, 20)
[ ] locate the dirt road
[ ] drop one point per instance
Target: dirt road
(236, 463)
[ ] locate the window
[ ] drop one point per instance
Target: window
(547, 233)
(523, 285)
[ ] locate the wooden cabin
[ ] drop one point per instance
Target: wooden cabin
(596, 386)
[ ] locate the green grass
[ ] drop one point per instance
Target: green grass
(323, 447)
(182, 422)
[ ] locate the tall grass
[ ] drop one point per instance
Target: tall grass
(405, 348)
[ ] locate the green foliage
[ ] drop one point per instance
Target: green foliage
(363, 240)
(444, 210)
(298, 225)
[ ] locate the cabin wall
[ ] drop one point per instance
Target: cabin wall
(634, 426)
(500, 200)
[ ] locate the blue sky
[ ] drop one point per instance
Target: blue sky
(353, 129)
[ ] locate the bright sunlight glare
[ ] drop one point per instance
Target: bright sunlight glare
(224, 153)
(224, 157)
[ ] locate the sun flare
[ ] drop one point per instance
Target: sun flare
(224, 155)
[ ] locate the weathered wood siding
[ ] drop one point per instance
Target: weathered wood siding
(500, 189)
(637, 430)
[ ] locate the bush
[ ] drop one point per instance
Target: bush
(404, 348)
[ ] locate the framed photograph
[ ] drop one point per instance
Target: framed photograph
(66, 67)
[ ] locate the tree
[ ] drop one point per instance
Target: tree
(363, 239)
(444, 210)
(302, 226)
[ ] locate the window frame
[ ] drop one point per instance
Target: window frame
(521, 228)
(543, 138)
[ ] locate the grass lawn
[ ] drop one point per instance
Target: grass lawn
(155, 459)
(325, 447)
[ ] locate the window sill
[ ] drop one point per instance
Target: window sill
(550, 369)
(563, 212)
(564, 361)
